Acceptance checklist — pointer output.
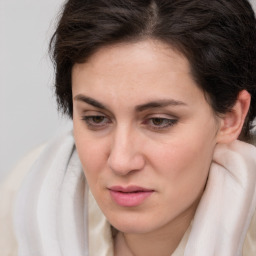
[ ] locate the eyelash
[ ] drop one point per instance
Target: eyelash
(90, 121)
(165, 122)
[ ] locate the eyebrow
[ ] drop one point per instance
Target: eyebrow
(140, 108)
(160, 104)
(89, 101)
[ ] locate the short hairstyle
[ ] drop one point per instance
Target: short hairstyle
(218, 37)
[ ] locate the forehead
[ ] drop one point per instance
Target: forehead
(141, 57)
(145, 69)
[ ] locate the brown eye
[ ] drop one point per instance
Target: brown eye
(157, 121)
(96, 122)
(97, 119)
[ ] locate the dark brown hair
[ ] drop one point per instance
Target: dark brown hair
(218, 37)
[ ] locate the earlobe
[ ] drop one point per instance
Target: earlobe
(232, 122)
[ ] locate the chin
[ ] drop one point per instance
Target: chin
(132, 228)
(133, 223)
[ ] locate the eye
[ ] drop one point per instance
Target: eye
(159, 123)
(96, 122)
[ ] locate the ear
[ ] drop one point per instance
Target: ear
(232, 122)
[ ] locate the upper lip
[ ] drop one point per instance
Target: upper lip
(130, 189)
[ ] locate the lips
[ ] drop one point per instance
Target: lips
(130, 196)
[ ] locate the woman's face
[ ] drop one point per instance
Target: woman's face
(145, 134)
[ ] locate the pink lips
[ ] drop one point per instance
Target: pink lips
(129, 196)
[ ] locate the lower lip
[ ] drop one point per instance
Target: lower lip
(130, 199)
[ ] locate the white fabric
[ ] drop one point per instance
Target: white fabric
(51, 212)
(228, 204)
(56, 215)
(8, 190)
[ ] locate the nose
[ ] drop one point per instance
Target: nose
(126, 153)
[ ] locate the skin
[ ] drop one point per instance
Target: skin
(166, 148)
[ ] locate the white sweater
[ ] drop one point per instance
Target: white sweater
(10, 186)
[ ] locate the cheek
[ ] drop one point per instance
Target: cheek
(93, 163)
(91, 157)
(192, 152)
(91, 153)
(184, 164)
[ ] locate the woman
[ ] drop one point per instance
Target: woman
(159, 92)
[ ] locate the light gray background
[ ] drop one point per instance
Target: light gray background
(253, 2)
(28, 115)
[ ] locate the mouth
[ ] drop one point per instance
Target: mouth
(129, 196)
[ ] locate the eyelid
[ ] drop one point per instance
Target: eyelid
(161, 115)
(167, 123)
(88, 117)
(96, 112)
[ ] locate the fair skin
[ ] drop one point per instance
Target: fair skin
(141, 120)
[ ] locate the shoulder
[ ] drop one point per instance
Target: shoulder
(8, 190)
